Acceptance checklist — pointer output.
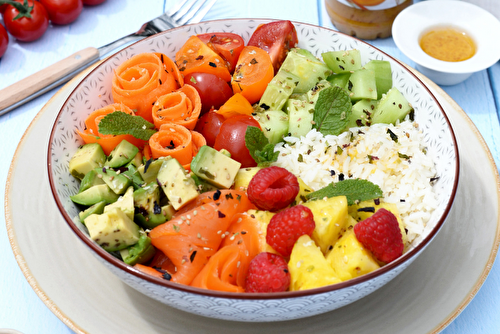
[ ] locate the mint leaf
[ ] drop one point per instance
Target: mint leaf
(353, 189)
(332, 111)
(120, 123)
(259, 147)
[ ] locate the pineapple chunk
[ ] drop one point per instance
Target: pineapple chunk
(362, 215)
(349, 259)
(303, 192)
(330, 216)
(263, 218)
(308, 266)
(243, 177)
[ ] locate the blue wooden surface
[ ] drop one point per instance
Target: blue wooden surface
(20, 307)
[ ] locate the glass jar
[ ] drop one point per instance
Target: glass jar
(365, 19)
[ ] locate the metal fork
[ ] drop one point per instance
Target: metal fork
(13, 96)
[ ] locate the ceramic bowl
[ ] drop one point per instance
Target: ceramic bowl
(94, 92)
(480, 25)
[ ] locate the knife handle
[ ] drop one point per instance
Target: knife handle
(39, 82)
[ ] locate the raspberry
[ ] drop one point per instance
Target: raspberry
(381, 234)
(287, 226)
(273, 188)
(267, 272)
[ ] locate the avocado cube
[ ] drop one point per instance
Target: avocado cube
(179, 188)
(97, 208)
(141, 252)
(116, 181)
(122, 154)
(85, 159)
(215, 167)
(95, 194)
(125, 203)
(149, 171)
(112, 230)
(89, 180)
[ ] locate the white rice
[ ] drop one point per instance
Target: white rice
(405, 182)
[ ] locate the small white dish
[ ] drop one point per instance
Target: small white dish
(479, 24)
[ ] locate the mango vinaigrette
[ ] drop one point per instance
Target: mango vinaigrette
(448, 44)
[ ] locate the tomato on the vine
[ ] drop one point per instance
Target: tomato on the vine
(232, 138)
(226, 44)
(92, 2)
(63, 11)
(276, 38)
(4, 40)
(213, 91)
(32, 24)
(209, 126)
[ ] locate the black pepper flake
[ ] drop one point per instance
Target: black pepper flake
(238, 197)
(221, 215)
(359, 122)
(156, 208)
(161, 83)
(200, 57)
(212, 64)
(191, 257)
(161, 57)
(171, 146)
(265, 106)
(243, 232)
(217, 195)
(229, 196)
(331, 247)
(164, 273)
(434, 179)
(402, 200)
(332, 172)
(341, 177)
(376, 201)
(104, 169)
(286, 271)
(146, 165)
(253, 61)
(367, 209)
(343, 68)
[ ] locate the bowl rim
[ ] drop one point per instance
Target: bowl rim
(113, 261)
(406, 36)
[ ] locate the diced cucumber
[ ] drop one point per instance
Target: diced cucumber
(342, 61)
(301, 115)
(274, 124)
(392, 107)
(279, 90)
(361, 113)
(308, 68)
(362, 85)
(383, 75)
(340, 79)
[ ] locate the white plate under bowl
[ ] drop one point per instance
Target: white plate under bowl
(94, 91)
(479, 24)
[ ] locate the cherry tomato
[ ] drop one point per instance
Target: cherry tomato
(26, 29)
(4, 40)
(92, 2)
(232, 138)
(63, 11)
(277, 38)
(213, 91)
(226, 44)
(209, 126)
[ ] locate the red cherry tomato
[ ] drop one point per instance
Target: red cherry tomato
(232, 138)
(26, 29)
(226, 44)
(277, 38)
(92, 2)
(209, 125)
(213, 90)
(4, 40)
(63, 11)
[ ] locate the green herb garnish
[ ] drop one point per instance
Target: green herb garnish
(259, 147)
(120, 123)
(353, 189)
(332, 111)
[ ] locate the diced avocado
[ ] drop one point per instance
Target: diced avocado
(95, 194)
(215, 167)
(362, 85)
(274, 124)
(308, 68)
(146, 196)
(141, 252)
(97, 208)
(203, 186)
(279, 90)
(151, 220)
(342, 61)
(125, 203)
(150, 169)
(133, 175)
(150, 213)
(383, 75)
(301, 114)
(112, 230)
(117, 182)
(179, 188)
(392, 107)
(361, 113)
(244, 176)
(340, 79)
(85, 159)
(91, 179)
(121, 154)
(136, 161)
